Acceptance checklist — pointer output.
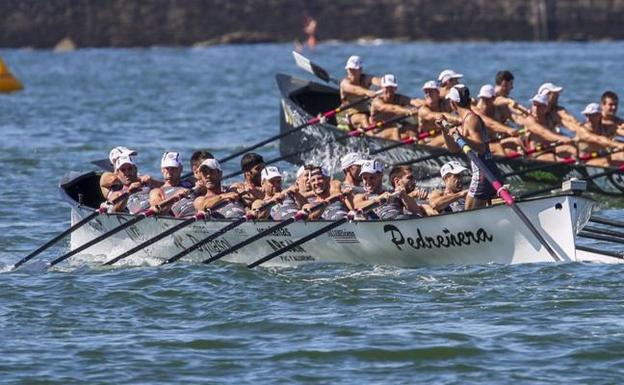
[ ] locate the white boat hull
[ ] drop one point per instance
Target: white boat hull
(491, 235)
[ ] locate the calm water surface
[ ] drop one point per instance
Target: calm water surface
(224, 324)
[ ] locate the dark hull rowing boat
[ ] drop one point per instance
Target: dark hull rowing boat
(302, 100)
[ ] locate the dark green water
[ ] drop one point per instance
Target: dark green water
(224, 324)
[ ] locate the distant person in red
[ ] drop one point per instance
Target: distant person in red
(309, 28)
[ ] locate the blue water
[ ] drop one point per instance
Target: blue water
(225, 324)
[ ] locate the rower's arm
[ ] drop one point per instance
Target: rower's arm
(586, 136)
(418, 103)
(376, 81)
(544, 133)
(354, 89)
(496, 126)
(361, 202)
(512, 105)
(439, 201)
(569, 121)
(207, 202)
(425, 113)
(388, 108)
(411, 204)
(156, 196)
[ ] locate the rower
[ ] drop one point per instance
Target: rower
(507, 108)
(127, 180)
(250, 189)
(557, 116)
(596, 137)
(221, 202)
(486, 109)
(402, 177)
(196, 159)
(351, 165)
(474, 132)
(180, 197)
(324, 189)
(108, 178)
(289, 201)
(353, 87)
(447, 80)
(609, 106)
(540, 130)
(394, 207)
(453, 197)
(390, 105)
(434, 108)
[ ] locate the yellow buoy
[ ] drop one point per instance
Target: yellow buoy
(8, 82)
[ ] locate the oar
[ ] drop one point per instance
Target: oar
(218, 233)
(600, 237)
(350, 134)
(558, 186)
(406, 141)
(305, 64)
(502, 192)
(608, 253)
(315, 234)
(300, 127)
(70, 230)
(607, 221)
(598, 230)
(302, 214)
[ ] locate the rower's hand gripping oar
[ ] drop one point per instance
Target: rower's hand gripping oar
(302, 214)
(321, 118)
(501, 191)
(319, 232)
(103, 209)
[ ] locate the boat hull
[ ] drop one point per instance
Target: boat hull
(301, 100)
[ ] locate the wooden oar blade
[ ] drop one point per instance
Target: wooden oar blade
(305, 64)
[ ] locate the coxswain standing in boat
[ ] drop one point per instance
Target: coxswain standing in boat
(453, 197)
(356, 86)
(609, 106)
(287, 202)
(595, 137)
(390, 105)
(250, 189)
(541, 131)
(128, 181)
(486, 109)
(174, 191)
(434, 108)
(474, 132)
(324, 189)
(221, 202)
(394, 207)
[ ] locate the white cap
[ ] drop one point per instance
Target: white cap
(389, 80)
(540, 99)
(350, 159)
(487, 91)
(453, 95)
(452, 167)
(591, 108)
(170, 159)
(300, 171)
(546, 88)
(119, 151)
(211, 163)
(372, 167)
(354, 62)
(270, 172)
(447, 75)
(123, 159)
(430, 85)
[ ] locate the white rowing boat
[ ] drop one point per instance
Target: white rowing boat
(489, 235)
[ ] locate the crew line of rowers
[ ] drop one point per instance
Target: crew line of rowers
(546, 121)
(362, 187)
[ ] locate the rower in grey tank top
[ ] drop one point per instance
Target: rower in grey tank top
(285, 210)
(138, 201)
(393, 209)
(182, 208)
(334, 211)
(230, 210)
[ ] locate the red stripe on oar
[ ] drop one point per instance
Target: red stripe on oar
(409, 140)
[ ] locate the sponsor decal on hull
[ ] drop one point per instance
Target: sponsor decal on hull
(446, 240)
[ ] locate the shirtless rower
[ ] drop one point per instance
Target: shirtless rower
(434, 108)
(127, 181)
(557, 116)
(391, 105)
(395, 207)
(609, 106)
(486, 109)
(220, 201)
(353, 87)
(250, 189)
(453, 197)
(474, 132)
(541, 131)
(447, 79)
(172, 190)
(506, 108)
(596, 137)
(288, 202)
(324, 189)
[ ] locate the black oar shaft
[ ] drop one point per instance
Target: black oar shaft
(299, 242)
(102, 237)
(600, 237)
(614, 254)
(600, 230)
(606, 221)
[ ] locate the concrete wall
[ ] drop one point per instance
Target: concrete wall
(126, 23)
